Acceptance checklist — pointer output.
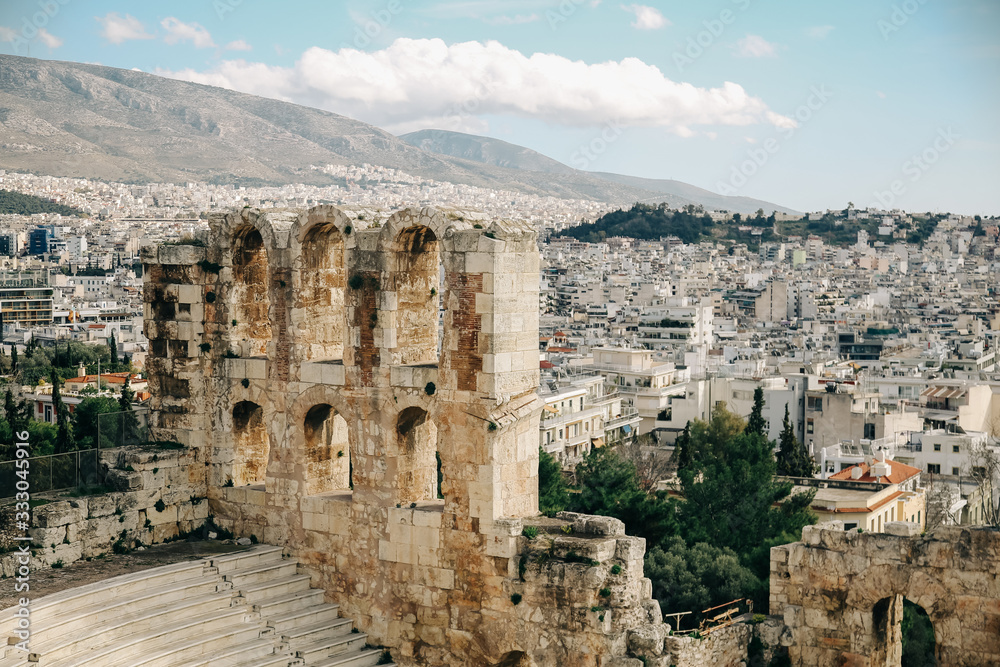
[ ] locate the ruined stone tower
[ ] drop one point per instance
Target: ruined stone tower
(299, 355)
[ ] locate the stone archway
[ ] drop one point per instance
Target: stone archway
(327, 451)
(250, 301)
(251, 445)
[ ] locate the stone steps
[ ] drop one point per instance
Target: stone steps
(247, 609)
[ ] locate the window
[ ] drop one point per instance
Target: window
(934, 468)
(850, 526)
(814, 403)
(954, 471)
(937, 446)
(809, 426)
(869, 431)
(955, 448)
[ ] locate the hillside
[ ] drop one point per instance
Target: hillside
(645, 222)
(79, 120)
(21, 204)
(501, 153)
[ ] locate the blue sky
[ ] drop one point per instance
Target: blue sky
(806, 104)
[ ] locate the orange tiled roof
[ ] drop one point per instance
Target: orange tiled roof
(900, 472)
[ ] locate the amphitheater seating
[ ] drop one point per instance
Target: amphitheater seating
(252, 608)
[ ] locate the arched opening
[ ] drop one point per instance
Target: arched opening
(328, 451)
(323, 280)
(416, 440)
(250, 443)
(903, 635)
(251, 305)
(919, 645)
(417, 283)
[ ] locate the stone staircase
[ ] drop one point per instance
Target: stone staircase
(247, 609)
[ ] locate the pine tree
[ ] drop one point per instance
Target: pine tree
(63, 438)
(756, 424)
(682, 448)
(113, 347)
(130, 425)
(793, 458)
(13, 358)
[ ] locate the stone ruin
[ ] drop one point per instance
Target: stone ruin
(362, 393)
(840, 594)
(300, 354)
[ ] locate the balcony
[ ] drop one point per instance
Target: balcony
(628, 416)
(552, 420)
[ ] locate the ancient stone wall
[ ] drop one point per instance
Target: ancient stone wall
(161, 496)
(841, 593)
(363, 393)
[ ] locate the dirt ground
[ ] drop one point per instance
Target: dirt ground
(51, 580)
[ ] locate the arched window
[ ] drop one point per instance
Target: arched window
(321, 294)
(416, 438)
(250, 443)
(417, 283)
(328, 452)
(250, 302)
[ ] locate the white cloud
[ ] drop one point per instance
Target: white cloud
(178, 31)
(7, 34)
(428, 83)
(646, 18)
(755, 46)
(820, 31)
(118, 29)
(238, 45)
(49, 39)
(880, 94)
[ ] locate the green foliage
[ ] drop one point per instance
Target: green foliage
(616, 569)
(356, 281)
(21, 204)
(205, 347)
(245, 382)
(692, 578)
(646, 222)
(756, 424)
(160, 505)
(794, 459)
(531, 532)
(604, 592)
(515, 599)
(918, 636)
(553, 494)
(430, 388)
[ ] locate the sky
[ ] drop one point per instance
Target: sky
(811, 105)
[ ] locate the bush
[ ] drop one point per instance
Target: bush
(430, 388)
(531, 532)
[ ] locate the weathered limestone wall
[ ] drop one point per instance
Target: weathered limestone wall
(161, 497)
(840, 593)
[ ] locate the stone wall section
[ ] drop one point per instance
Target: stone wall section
(840, 593)
(162, 497)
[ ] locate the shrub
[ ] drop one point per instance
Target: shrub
(492, 427)
(58, 564)
(430, 388)
(531, 532)
(229, 482)
(160, 505)
(245, 382)
(205, 347)
(605, 592)
(230, 354)
(616, 569)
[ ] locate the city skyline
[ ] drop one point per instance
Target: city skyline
(881, 104)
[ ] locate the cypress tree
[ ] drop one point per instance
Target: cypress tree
(756, 424)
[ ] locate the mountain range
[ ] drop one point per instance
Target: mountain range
(91, 121)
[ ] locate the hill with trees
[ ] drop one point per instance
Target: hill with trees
(21, 204)
(647, 223)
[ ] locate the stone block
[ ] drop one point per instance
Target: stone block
(60, 513)
(902, 528)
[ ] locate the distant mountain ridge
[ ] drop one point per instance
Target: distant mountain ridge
(91, 121)
(501, 153)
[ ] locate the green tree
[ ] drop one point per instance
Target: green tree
(794, 459)
(85, 421)
(682, 448)
(113, 348)
(696, 577)
(756, 423)
(610, 486)
(553, 495)
(13, 358)
(64, 440)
